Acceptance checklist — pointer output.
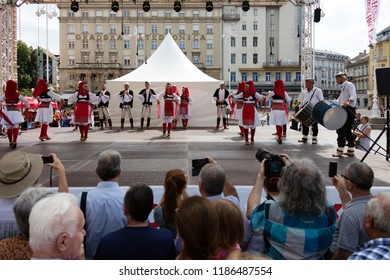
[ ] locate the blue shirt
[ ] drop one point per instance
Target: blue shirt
(229, 197)
(376, 249)
(104, 213)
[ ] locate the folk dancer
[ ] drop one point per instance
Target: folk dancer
(175, 90)
(184, 108)
(167, 111)
(11, 116)
(279, 109)
(250, 118)
(239, 104)
(347, 100)
(310, 94)
(103, 110)
(147, 96)
(220, 96)
(126, 103)
(83, 110)
(45, 109)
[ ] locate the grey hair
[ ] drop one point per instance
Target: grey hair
(361, 174)
(24, 204)
(302, 188)
(109, 165)
(378, 208)
(213, 178)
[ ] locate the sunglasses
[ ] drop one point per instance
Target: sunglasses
(346, 178)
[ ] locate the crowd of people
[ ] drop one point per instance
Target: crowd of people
(295, 221)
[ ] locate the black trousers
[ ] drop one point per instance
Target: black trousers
(305, 129)
(344, 134)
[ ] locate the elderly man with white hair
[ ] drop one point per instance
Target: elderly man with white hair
(57, 228)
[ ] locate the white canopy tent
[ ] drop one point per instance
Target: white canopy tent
(169, 64)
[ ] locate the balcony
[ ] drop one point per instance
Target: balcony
(96, 65)
(231, 17)
(381, 58)
(281, 64)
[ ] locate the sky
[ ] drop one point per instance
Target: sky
(343, 29)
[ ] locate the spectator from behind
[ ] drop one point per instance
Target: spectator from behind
(17, 248)
(175, 190)
(18, 171)
(354, 191)
(230, 231)
(104, 205)
(57, 228)
(377, 226)
(300, 224)
(137, 240)
(197, 225)
(214, 185)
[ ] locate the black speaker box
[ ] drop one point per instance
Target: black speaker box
(317, 15)
(383, 81)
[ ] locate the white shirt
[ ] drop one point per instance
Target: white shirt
(315, 92)
(348, 92)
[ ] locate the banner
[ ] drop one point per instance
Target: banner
(372, 8)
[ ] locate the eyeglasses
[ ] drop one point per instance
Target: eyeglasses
(346, 178)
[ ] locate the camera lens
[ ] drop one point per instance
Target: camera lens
(261, 154)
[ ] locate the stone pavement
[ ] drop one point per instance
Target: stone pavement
(147, 155)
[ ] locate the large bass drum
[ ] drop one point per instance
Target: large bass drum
(304, 115)
(329, 114)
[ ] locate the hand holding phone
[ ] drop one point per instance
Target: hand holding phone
(197, 165)
(332, 169)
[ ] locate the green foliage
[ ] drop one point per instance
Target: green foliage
(27, 67)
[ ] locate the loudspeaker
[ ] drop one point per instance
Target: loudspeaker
(383, 81)
(317, 15)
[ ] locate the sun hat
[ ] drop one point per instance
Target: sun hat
(342, 74)
(18, 171)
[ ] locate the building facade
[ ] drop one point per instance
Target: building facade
(358, 73)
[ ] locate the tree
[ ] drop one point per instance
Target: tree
(27, 67)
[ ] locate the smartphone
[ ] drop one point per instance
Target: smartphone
(332, 169)
(197, 165)
(47, 159)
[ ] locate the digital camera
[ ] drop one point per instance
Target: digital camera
(273, 163)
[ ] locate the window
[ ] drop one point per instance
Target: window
(112, 28)
(71, 28)
(243, 76)
(126, 61)
(255, 41)
(140, 61)
(182, 44)
(195, 44)
(267, 76)
(70, 14)
(182, 14)
(99, 44)
(126, 44)
(195, 13)
(126, 29)
(126, 13)
(255, 58)
(209, 29)
(84, 14)
(71, 61)
(209, 44)
(140, 14)
(255, 76)
(195, 59)
(167, 13)
(154, 44)
(154, 14)
(209, 60)
(141, 44)
(70, 44)
(154, 28)
(113, 44)
(195, 29)
(243, 58)
(112, 59)
(233, 58)
(84, 28)
(141, 29)
(98, 28)
(278, 76)
(85, 43)
(255, 25)
(98, 13)
(182, 29)
(298, 76)
(233, 76)
(112, 14)
(99, 59)
(167, 29)
(243, 42)
(72, 77)
(243, 26)
(255, 12)
(272, 12)
(232, 42)
(85, 59)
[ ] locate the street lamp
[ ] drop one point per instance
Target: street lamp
(50, 13)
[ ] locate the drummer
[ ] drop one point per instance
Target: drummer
(347, 100)
(310, 94)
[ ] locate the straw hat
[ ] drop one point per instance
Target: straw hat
(18, 171)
